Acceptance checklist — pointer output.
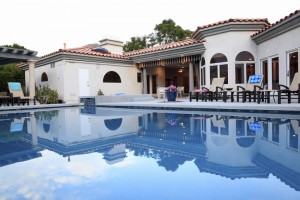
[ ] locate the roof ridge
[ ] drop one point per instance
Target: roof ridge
(186, 42)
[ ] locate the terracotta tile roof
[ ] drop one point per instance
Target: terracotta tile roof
(230, 21)
(163, 47)
(86, 51)
(276, 23)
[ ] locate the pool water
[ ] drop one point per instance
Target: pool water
(107, 153)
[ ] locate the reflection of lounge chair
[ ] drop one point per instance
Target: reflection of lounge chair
(295, 125)
(15, 90)
(17, 125)
(219, 125)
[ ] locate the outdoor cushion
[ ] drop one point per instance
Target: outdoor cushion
(255, 126)
(255, 79)
(15, 86)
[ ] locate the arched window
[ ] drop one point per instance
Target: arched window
(44, 77)
(46, 127)
(219, 67)
(244, 66)
(203, 82)
(111, 77)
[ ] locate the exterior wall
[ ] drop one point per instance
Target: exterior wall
(64, 78)
(279, 47)
(128, 75)
(229, 44)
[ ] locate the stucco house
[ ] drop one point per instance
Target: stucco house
(233, 48)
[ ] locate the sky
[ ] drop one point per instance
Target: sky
(45, 25)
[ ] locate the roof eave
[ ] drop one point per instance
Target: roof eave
(278, 29)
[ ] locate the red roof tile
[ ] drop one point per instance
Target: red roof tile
(230, 21)
(163, 47)
(86, 51)
(276, 23)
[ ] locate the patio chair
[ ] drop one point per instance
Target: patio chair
(180, 90)
(161, 92)
(254, 84)
(16, 91)
(289, 91)
(214, 91)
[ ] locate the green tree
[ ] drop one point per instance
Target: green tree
(164, 33)
(15, 45)
(135, 43)
(8, 73)
(167, 32)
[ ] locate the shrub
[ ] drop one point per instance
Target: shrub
(45, 95)
(100, 93)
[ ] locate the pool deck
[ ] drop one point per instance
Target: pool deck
(181, 103)
(184, 103)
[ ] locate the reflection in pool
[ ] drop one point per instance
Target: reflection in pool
(101, 153)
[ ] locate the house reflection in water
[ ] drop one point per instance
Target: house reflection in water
(233, 145)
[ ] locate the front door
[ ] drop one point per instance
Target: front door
(154, 83)
(84, 86)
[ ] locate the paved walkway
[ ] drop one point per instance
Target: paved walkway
(184, 103)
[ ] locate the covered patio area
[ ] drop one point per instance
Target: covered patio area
(170, 64)
(12, 55)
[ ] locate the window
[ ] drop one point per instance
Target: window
(293, 64)
(203, 71)
(265, 72)
(244, 67)
(139, 77)
(44, 77)
(275, 73)
(111, 77)
(219, 67)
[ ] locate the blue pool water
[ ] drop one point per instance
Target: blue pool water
(106, 153)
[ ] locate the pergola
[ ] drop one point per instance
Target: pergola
(13, 55)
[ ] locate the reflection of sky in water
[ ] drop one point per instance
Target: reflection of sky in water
(167, 156)
(88, 176)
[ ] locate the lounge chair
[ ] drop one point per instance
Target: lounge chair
(254, 84)
(285, 92)
(214, 91)
(16, 91)
(289, 91)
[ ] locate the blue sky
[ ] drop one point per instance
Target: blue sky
(45, 25)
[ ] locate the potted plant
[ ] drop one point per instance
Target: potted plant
(171, 92)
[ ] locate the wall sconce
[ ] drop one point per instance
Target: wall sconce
(180, 69)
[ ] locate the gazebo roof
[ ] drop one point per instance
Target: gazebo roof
(13, 55)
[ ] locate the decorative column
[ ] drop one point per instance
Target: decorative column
(31, 64)
(191, 77)
(144, 81)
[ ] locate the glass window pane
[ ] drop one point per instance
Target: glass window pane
(275, 73)
(213, 72)
(250, 70)
(203, 62)
(218, 58)
(203, 76)
(293, 60)
(244, 56)
(224, 72)
(265, 72)
(239, 73)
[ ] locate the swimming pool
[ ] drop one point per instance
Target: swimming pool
(106, 153)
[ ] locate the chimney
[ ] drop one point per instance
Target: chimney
(65, 46)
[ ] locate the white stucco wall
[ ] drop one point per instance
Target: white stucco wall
(280, 46)
(64, 78)
(230, 44)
